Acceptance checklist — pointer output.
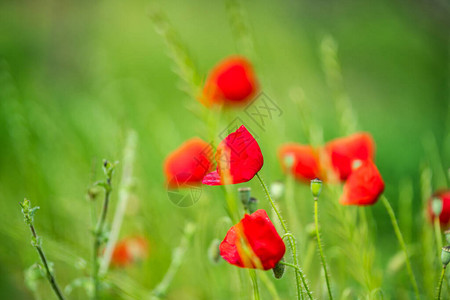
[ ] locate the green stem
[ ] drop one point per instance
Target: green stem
(49, 274)
(124, 195)
(298, 273)
(437, 232)
(98, 239)
(319, 243)
(254, 279)
(398, 233)
(440, 283)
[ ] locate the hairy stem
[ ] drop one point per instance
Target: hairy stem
(399, 235)
(438, 297)
(319, 243)
(298, 272)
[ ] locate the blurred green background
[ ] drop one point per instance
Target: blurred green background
(76, 76)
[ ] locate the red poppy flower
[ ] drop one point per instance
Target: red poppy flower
(238, 159)
(129, 250)
(253, 243)
(231, 82)
(363, 186)
(188, 164)
(342, 152)
(303, 161)
(444, 217)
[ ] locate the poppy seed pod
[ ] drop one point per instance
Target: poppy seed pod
(445, 255)
(316, 188)
(252, 205)
(244, 195)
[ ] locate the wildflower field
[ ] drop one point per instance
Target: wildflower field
(224, 149)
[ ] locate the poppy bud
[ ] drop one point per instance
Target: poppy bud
(244, 195)
(252, 205)
(277, 189)
(316, 187)
(436, 206)
(214, 252)
(278, 271)
(447, 235)
(445, 255)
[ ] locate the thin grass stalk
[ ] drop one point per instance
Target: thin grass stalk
(399, 235)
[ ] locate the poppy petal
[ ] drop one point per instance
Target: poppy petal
(363, 186)
(341, 152)
(232, 82)
(304, 161)
(212, 178)
(267, 247)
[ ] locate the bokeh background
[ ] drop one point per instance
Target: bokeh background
(77, 76)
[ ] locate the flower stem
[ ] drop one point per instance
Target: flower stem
(298, 272)
(254, 279)
(437, 232)
(440, 283)
(319, 243)
(99, 229)
(124, 195)
(28, 213)
(398, 233)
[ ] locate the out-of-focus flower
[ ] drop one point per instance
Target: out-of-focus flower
(253, 243)
(238, 159)
(340, 153)
(301, 161)
(232, 82)
(444, 216)
(187, 165)
(129, 250)
(363, 186)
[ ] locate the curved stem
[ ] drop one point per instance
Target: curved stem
(98, 239)
(440, 283)
(399, 235)
(298, 273)
(319, 243)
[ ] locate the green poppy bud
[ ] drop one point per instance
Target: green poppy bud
(278, 271)
(316, 187)
(252, 205)
(445, 255)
